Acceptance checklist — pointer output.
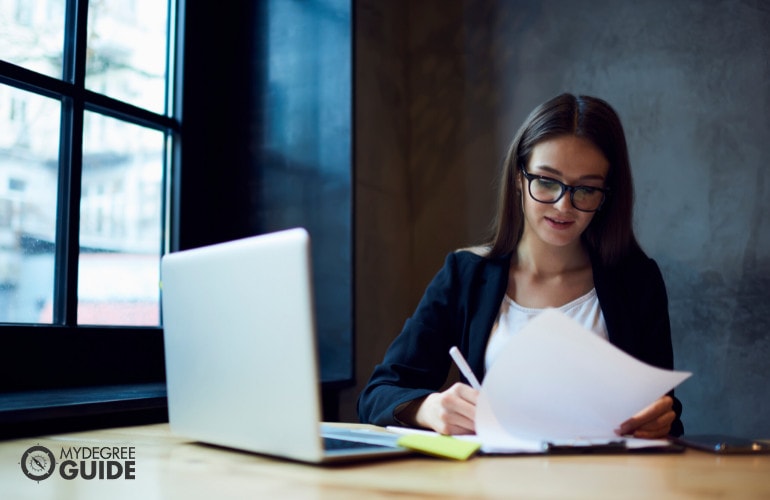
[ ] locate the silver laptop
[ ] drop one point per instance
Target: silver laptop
(241, 358)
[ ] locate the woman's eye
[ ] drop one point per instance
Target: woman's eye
(549, 184)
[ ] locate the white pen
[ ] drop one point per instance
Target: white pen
(464, 368)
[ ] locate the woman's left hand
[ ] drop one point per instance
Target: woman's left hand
(651, 423)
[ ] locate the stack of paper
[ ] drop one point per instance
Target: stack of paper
(555, 381)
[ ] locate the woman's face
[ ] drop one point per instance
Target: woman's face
(573, 161)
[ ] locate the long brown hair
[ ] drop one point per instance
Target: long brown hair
(610, 235)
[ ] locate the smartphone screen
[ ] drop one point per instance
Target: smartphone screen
(720, 443)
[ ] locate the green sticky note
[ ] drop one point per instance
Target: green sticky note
(440, 446)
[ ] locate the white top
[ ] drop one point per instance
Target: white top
(512, 318)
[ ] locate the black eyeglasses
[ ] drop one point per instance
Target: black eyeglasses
(548, 190)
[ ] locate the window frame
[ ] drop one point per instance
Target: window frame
(64, 355)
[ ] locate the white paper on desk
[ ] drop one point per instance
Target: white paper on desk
(555, 380)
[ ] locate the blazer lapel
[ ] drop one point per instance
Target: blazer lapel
(485, 306)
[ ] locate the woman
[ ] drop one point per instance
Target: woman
(563, 238)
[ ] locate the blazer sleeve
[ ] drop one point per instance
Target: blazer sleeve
(658, 347)
(635, 306)
(417, 362)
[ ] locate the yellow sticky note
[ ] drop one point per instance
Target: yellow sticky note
(439, 446)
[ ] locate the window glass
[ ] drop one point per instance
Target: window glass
(29, 151)
(32, 34)
(127, 43)
(120, 223)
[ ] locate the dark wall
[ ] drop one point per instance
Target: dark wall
(267, 141)
(445, 85)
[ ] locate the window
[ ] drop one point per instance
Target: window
(90, 129)
(84, 158)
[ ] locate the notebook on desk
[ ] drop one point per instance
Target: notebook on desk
(241, 358)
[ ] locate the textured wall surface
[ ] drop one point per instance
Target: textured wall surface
(441, 89)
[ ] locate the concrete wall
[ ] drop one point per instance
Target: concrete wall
(442, 86)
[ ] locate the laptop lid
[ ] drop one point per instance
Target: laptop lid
(240, 346)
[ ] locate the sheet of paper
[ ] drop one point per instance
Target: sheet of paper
(555, 380)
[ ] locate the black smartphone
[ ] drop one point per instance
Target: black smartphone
(723, 444)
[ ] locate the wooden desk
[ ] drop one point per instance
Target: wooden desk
(171, 467)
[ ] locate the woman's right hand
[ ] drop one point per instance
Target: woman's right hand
(450, 412)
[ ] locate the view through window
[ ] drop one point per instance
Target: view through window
(117, 152)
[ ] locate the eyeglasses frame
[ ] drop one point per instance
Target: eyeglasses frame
(564, 188)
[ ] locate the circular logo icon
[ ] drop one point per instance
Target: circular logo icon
(38, 463)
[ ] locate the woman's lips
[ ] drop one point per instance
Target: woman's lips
(559, 224)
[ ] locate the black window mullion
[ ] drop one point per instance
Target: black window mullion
(67, 233)
(174, 87)
(127, 112)
(25, 79)
(71, 163)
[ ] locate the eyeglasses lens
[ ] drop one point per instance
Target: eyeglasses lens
(545, 190)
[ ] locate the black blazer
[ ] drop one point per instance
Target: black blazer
(461, 304)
